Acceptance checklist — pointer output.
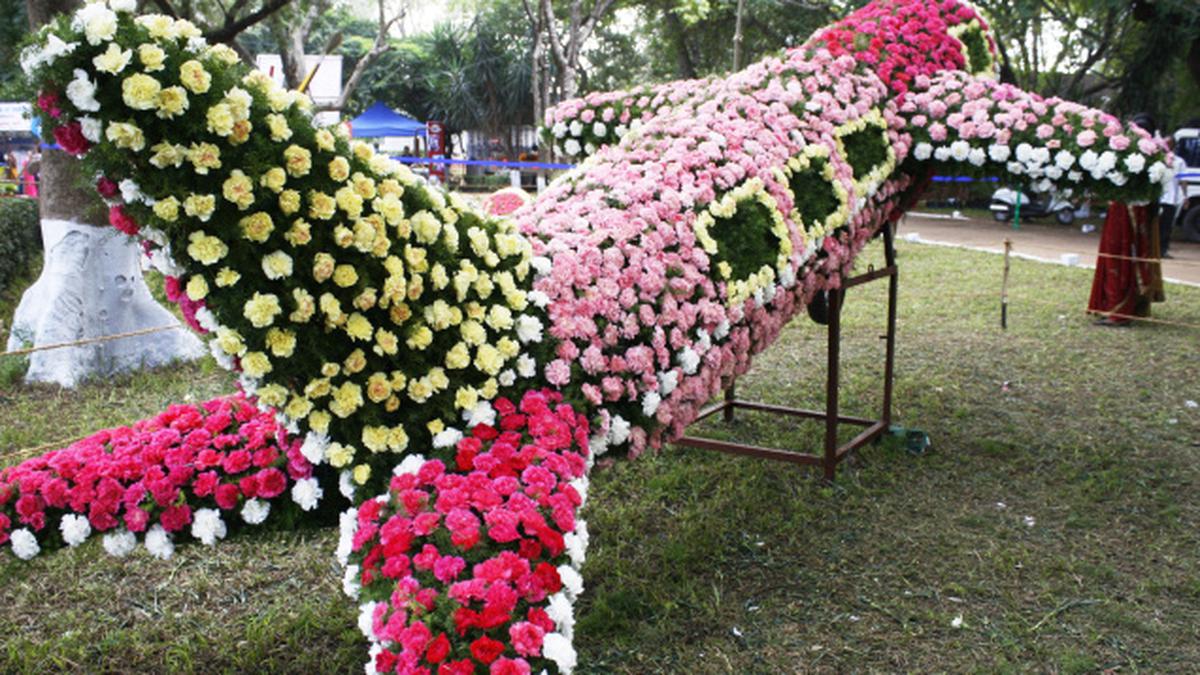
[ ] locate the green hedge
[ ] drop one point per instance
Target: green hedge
(20, 237)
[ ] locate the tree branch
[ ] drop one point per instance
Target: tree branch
(381, 45)
(231, 28)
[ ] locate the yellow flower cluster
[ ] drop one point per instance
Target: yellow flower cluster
(740, 290)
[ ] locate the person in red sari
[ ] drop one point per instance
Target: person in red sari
(1128, 272)
(1126, 282)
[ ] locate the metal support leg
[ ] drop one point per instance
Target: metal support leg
(889, 253)
(832, 382)
(730, 397)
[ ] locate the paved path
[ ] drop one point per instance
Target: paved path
(1052, 243)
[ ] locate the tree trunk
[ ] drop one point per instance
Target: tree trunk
(91, 284)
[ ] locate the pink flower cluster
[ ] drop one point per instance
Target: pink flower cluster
(458, 567)
(643, 326)
(1049, 145)
(157, 473)
(903, 39)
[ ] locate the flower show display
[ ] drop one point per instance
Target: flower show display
(454, 374)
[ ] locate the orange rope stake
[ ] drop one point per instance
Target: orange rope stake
(89, 341)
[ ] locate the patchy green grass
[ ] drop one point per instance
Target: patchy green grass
(1056, 513)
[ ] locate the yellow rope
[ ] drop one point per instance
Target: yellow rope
(88, 341)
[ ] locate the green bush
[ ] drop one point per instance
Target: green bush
(20, 237)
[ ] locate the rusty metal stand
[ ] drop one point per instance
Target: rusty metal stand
(873, 428)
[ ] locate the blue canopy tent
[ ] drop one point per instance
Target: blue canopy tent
(380, 120)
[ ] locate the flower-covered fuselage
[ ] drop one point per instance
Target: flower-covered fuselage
(467, 369)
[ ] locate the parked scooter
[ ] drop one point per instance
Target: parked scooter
(1004, 204)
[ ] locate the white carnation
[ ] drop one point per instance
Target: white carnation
(620, 130)
(120, 543)
(482, 413)
(572, 581)
(1064, 160)
(526, 366)
(1117, 178)
(572, 147)
(557, 648)
(314, 447)
(999, 153)
(413, 463)
(366, 619)
(122, 5)
(538, 298)
(91, 128)
(158, 543)
(650, 403)
(529, 328)
(977, 157)
(24, 544)
(350, 583)
(507, 377)
(1040, 156)
(618, 430)
(82, 92)
(97, 22)
(559, 130)
(307, 493)
(562, 613)
(347, 526)
(942, 153)
(576, 543)
(1024, 153)
(541, 264)
(1135, 162)
(923, 151)
(576, 128)
(75, 529)
(689, 360)
(255, 511)
(959, 150)
(599, 129)
(130, 191)
(207, 526)
(447, 438)
(669, 380)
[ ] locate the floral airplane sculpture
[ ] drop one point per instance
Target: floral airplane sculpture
(454, 374)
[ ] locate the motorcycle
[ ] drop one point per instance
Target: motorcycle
(1004, 204)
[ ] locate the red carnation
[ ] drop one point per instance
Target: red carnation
(226, 496)
(438, 650)
(48, 102)
(70, 139)
(118, 218)
(271, 483)
(460, 667)
(107, 187)
(175, 518)
(485, 649)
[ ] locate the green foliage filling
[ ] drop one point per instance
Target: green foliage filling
(978, 56)
(744, 240)
(865, 150)
(20, 238)
(814, 195)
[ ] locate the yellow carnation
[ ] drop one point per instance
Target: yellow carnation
(239, 189)
(272, 394)
(325, 140)
(305, 306)
(419, 338)
(386, 342)
(227, 277)
(458, 357)
(318, 421)
(256, 226)
(362, 473)
(298, 161)
(300, 233)
(379, 387)
(489, 359)
(323, 265)
(200, 206)
(273, 179)
(126, 135)
(320, 205)
(338, 454)
(197, 288)
(261, 309)
(289, 202)
(355, 362)
(167, 154)
(140, 91)
(281, 342)
(256, 364)
(345, 276)
(151, 56)
(193, 76)
(465, 398)
(171, 102)
(113, 60)
(358, 327)
(375, 439)
(277, 265)
(339, 169)
(346, 399)
(473, 332)
(219, 119)
(204, 156)
(167, 209)
(277, 124)
(230, 341)
(205, 249)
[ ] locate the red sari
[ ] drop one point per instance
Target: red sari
(1124, 288)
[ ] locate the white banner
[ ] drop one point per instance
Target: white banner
(15, 116)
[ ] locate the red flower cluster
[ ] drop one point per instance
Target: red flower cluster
(901, 39)
(475, 550)
(217, 454)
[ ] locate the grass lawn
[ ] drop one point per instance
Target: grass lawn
(1053, 526)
